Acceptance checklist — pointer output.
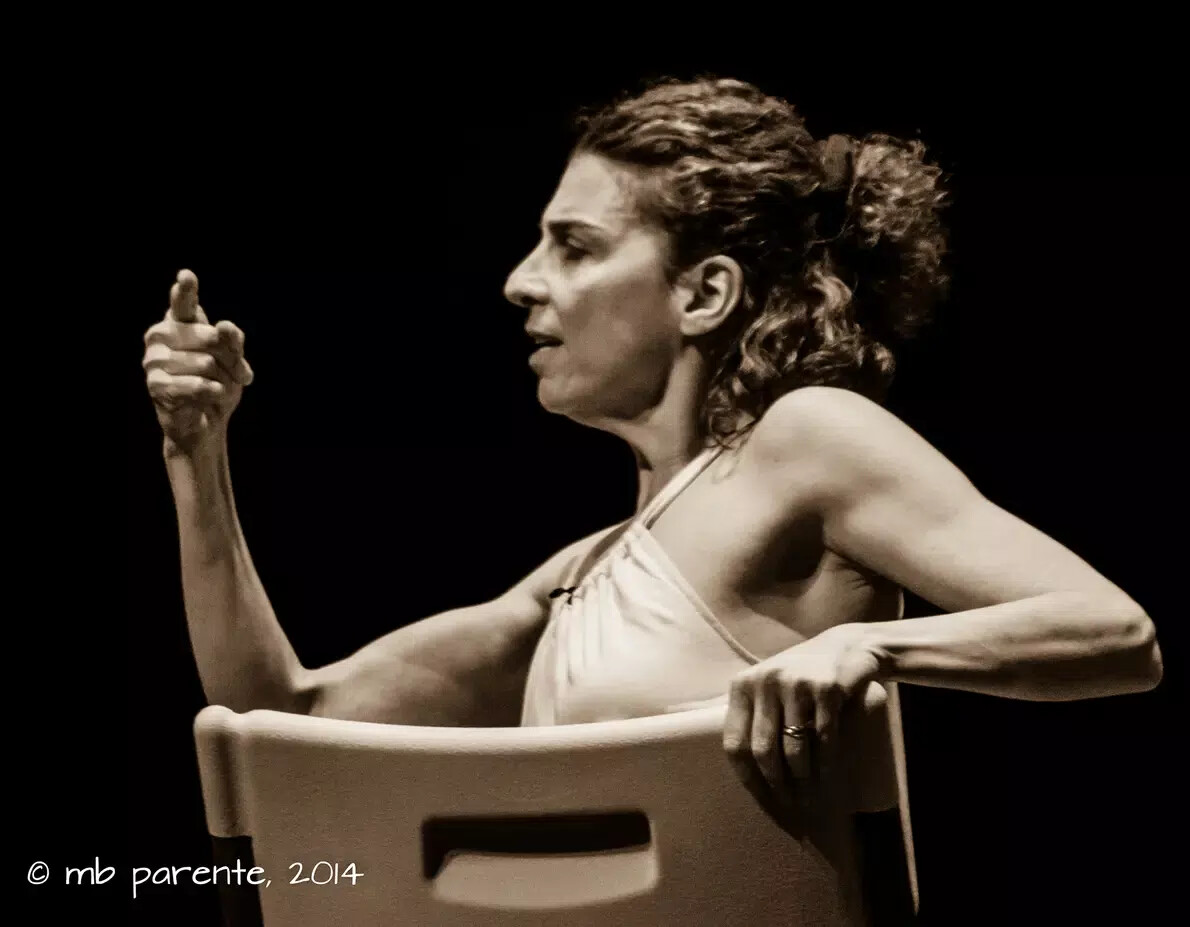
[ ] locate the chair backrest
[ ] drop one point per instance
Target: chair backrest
(636, 822)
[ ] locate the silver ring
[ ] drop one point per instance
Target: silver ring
(798, 731)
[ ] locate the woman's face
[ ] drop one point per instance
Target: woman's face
(596, 290)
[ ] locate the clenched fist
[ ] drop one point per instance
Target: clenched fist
(195, 371)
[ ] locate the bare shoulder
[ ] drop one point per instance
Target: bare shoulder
(835, 441)
(891, 502)
(818, 418)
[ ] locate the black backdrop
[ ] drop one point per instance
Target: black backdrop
(390, 460)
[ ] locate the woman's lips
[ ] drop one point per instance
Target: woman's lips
(542, 350)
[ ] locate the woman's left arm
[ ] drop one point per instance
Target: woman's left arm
(1021, 616)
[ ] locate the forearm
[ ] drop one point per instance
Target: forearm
(244, 659)
(1053, 647)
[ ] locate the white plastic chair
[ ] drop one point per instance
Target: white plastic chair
(636, 822)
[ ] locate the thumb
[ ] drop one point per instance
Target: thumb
(183, 299)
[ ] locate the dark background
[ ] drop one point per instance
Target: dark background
(391, 462)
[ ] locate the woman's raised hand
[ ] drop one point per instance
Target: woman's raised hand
(195, 371)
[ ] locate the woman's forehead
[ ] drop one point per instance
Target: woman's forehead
(593, 191)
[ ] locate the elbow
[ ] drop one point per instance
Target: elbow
(305, 693)
(1154, 667)
(1140, 649)
(263, 687)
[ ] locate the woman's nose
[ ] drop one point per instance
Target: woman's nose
(525, 286)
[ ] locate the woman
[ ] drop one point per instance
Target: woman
(720, 290)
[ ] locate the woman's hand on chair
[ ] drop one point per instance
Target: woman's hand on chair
(782, 727)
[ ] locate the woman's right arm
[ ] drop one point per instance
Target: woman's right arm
(462, 667)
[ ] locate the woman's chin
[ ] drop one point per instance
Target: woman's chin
(549, 399)
(558, 401)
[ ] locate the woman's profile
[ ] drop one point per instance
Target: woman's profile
(723, 292)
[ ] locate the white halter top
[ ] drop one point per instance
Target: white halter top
(633, 638)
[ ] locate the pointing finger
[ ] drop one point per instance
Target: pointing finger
(231, 337)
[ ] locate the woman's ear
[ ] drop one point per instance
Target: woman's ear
(708, 292)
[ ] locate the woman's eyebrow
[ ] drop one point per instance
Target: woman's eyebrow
(559, 227)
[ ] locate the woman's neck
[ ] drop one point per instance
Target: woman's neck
(669, 433)
(656, 466)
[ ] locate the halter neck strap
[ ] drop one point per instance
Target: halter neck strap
(683, 478)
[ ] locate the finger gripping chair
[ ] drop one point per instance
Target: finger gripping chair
(633, 823)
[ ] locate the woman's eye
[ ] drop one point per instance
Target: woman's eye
(573, 249)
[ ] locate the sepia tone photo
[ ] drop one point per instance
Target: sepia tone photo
(682, 495)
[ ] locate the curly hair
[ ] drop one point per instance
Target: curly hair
(840, 240)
